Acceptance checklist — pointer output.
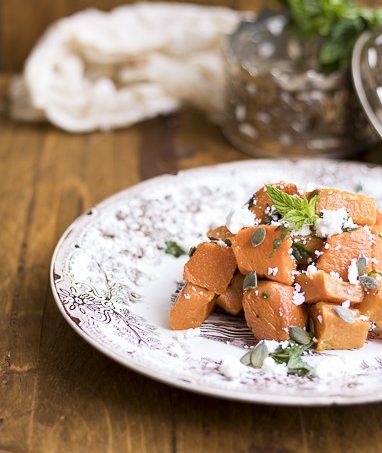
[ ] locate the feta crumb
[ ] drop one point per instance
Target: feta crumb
(346, 303)
(327, 246)
(328, 367)
(335, 275)
(240, 218)
(374, 260)
(272, 366)
(318, 253)
(311, 269)
(319, 318)
(181, 335)
(303, 231)
(353, 272)
(364, 318)
(298, 297)
(273, 271)
(332, 222)
(187, 296)
(230, 367)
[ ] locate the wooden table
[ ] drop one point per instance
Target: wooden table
(57, 394)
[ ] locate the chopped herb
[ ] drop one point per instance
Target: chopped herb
(265, 295)
(258, 236)
(344, 313)
(380, 235)
(369, 282)
(296, 210)
(374, 273)
(172, 248)
(291, 355)
(361, 265)
(358, 188)
(250, 281)
(299, 252)
(348, 229)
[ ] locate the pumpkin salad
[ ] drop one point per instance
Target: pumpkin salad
(303, 268)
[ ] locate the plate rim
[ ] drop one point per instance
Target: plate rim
(232, 395)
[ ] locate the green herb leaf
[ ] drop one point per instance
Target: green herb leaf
(250, 281)
(299, 252)
(294, 209)
(172, 248)
(291, 356)
(344, 313)
(258, 236)
(265, 295)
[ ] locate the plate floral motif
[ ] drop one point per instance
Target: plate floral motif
(113, 283)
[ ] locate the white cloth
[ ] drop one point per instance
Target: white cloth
(97, 70)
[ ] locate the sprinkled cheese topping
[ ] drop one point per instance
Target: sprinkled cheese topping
(230, 367)
(346, 303)
(298, 297)
(311, 269)
(353, 272)
(240, 218)
(273, 271)
(271, 366)
(333, 222)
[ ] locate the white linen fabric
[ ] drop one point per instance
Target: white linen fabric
(102, 70)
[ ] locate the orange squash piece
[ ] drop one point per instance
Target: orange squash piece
(261, 201)
(361, 208)
(221, 232)
(191, 308)
(372, 306)
(377, 247)
(265, 256)
(211, 266)
(231, 300)
(324, 287)
(343, 248)
(379, 218)
(269, 311)
(332, 332)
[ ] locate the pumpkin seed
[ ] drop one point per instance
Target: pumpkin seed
(311, 327)
(191, 251)
(344, 313)
(265, 295)
(259, 354)
(250, 281)
(361, 265)
(369, 282)
(258, 236)
(246, 359)
(299, 335)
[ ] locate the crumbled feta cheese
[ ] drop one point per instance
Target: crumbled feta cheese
(230, 367)
(364, 318)
(271, 345)
(346, 303)
(240, 218)
(327, 246)
(319, 318)
(374, 260)
(353, 272)
(273, 271)
(311, 269)
(328, 367)
(304, 231)
(335, 275)
(298, 297)
(272, 366)
(187, 296)
(181, 335)
(318, 253)
(332, 222)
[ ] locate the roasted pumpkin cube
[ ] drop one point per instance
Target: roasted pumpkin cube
(333, 332)
(321, 286)
(271, 258)
(270, 311)
(379, 218)
(260, 202)
(377, 247)
(231, 300)
(221, 232)
(362, 209)
(211, 266)
(372, 305)
(343, 248)
(192, 306)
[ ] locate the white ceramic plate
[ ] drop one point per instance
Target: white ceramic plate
(113, 283)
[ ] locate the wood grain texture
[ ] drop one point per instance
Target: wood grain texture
(57, 394)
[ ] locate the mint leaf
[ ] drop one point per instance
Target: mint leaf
(298, 211)
(172, 248)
